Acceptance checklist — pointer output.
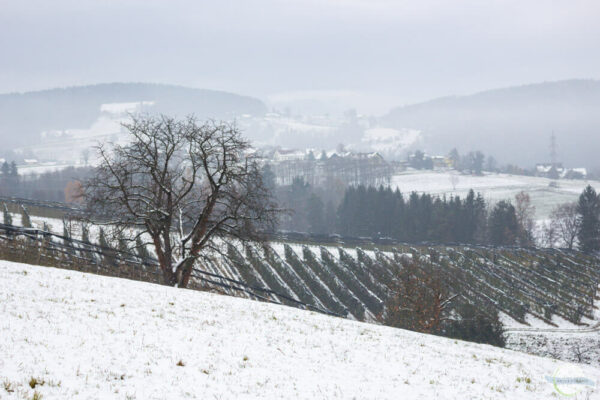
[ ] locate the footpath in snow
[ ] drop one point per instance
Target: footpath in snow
(83, 336)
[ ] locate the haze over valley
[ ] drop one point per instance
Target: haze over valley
(312, 199)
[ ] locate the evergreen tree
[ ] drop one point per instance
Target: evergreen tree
(475, 326)
(102, 242)
(25, 219)
(398, 217)
(455, 159)
(416, 161)
(14, 171)
(361, 215)
(85, 233)
(108, 254)
(588, 209)
(314, 213)
(503, 226)
(470, 219)
(123, 246)
(7, 216)
(491, 164)
(67, 229)
(478, 159)
(297, 199)
(268, 177)
(481, 219)
(330, 217)
(474, 162)
(5, 169)
(141, 249)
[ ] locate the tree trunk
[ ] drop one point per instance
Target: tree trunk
(182, 275)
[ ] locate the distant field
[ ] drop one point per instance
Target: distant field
(494, 187)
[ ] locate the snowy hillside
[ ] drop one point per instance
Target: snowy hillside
(85, 336)
(514, 123)
(552, 287)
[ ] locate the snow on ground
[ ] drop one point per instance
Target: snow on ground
(565, 341)
(65, 147)
(390, 142)
(45, 167)
(91, 337)
(576, 346)
(494, 187)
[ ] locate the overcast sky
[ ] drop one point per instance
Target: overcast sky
(375, 53)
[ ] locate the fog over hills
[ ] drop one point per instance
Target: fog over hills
(512, 124)
(24, 116)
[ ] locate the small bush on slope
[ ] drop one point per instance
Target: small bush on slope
(475, 326)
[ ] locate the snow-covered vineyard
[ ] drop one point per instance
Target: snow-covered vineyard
(518, 282)
(354, 282)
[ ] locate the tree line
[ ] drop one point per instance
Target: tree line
(47, 186)
(361, 211)
(381, 212)
(575, 225)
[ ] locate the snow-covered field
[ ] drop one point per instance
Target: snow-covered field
(391, 143)
(494, 187)
(91, 337)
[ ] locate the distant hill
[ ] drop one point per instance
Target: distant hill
(513, 124)
(24, 116)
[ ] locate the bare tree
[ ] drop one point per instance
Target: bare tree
(565, 223)
(182, 186)
(548, 235)
(85, 156)
(420, 301)
(454, 179)
(525, 213)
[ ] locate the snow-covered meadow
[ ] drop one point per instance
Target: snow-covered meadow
(494, 187)
(90, 337)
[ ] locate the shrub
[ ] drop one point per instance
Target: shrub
(475, 326)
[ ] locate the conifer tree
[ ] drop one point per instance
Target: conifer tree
(14, 171)
(25, 219)
(108, 254)
(588, 209)
(504, 228)
(330, 217)
(66, 228)
(5, 169)
(85, 233)
(122, 242)
(7, 216)
(102, 242)
(314, 213)
(141, 249)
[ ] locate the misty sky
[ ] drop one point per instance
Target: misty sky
(373, 53)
